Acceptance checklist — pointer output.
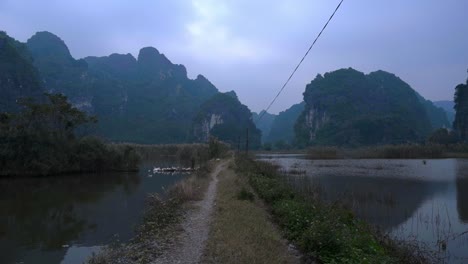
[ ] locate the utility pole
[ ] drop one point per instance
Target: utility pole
(238, 144)
(247, 141)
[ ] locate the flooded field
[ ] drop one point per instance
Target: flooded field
(422, 201)
(64, 219)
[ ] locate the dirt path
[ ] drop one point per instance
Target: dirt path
(242, 231)
(196, 225)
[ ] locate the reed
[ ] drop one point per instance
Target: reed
(404, 151)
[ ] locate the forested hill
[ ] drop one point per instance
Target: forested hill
(18, 77)
(348, 107)
(147, 99)
(150, 95)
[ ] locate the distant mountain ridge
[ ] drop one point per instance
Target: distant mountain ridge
(147, 99)
(264, 124)
(282, 128)
(448, 108)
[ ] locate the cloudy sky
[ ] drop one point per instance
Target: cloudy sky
(252, 46)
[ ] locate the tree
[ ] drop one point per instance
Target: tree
(40, 139)
(460, 124)
(442, 136)
(57, 116)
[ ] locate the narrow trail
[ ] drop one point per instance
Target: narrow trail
(196, 226)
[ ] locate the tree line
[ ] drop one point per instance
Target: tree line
(43, 138)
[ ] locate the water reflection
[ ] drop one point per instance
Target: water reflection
(381, 201)
(42, 220)
(418, 200)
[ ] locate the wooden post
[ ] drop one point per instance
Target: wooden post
(247, 141)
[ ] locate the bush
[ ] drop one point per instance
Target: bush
(245, 195)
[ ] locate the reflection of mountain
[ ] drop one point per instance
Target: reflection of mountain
(45, 214)
(40, 215)
(385, 202)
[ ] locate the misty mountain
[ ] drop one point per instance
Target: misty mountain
(348, 107)
(59, 71)
(282, 128)
(149, 95)
(448, 108)
(18, 77)
(264, 124)
(146, 99)
(225, 117)
(437, 116)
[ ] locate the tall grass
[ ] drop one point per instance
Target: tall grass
(405, 151)
(183, 153)
(176, 151)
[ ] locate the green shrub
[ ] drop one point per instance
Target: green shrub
(245, 195)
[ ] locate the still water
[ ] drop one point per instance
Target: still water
(422, 201)
(64, 219)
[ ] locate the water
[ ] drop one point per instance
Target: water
(64, 219)
(422, 201)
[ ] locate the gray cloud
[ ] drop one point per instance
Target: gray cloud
(252, 46)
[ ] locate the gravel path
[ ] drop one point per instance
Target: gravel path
(196, 227)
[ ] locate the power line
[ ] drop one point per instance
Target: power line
(300, 62)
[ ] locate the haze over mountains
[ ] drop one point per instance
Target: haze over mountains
(448, 108)
(149, 99)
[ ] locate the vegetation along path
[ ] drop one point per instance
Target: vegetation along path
(241, 229)
(196, 225)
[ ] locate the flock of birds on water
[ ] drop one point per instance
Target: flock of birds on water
(170, 170)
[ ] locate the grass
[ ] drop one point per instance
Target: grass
(327, 233)
(193, 187)
(242, 231)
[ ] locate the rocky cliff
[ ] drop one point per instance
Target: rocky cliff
(224, 117)
(147, 99)
(348, 107)
(18, 77)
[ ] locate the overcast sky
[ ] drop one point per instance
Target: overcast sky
(251, 46)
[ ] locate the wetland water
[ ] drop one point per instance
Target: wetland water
(424, 201)
(64, 219)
